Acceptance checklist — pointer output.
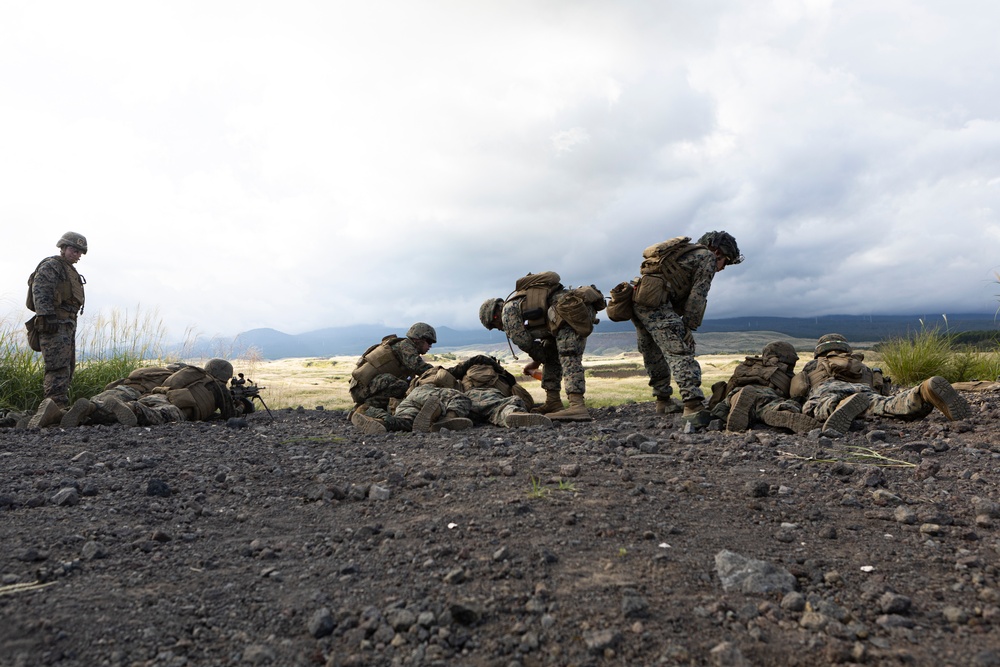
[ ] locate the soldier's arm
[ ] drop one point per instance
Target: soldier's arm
(513, 326)
(701, 282)
(799, 387)
(43, 289)
(410, 358)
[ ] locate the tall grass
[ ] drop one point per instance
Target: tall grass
(109, 347)
(933, 351)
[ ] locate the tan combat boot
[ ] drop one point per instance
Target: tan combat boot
(739, 412)
(366, 424)
(576, 412)
(48, 414)
(428, 414)
(793, 421)
(849, 408)
(696, 414)
(668, 406)
(452, 422)
(77, 414)
(938, 392)
(519, 419)
(122, 412)
(552, 403)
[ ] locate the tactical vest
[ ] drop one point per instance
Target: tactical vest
(482, 376)
(68, 298)
(576, 308)
(378, 359)
(755, 371)
(536, 289)
(144, 380)
(840, 366)
(660, 263)
(197, 394)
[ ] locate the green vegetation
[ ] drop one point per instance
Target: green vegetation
(108, 348)
(933, 351)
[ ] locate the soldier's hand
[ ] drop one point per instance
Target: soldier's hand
(46, 324)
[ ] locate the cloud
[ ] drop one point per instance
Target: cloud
(242, 165)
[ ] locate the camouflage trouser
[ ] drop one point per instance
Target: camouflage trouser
(59, 356)
(381, 390)
(562, 363)
(766, 400)
(150, 410)
(452, 400)
(907, 404)
(490, 405)
(667, 349)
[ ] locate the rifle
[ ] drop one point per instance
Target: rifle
(244, 391)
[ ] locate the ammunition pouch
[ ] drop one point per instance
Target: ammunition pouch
(651, 291)
(620, 307)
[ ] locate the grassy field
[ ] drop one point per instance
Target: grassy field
(611, 380)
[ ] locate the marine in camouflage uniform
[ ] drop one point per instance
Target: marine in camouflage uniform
(758, 391)
(838, 388)
(559, 353)
(664, 331)
(384, 371)
(157, 395)
(57, 297)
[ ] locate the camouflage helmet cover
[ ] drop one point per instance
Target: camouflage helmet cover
(220, 369)
(78, 241)
(488, 310)
(832, 342)
(783, 350)
(725, 243)
(422, 331)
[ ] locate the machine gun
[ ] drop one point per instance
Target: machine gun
(245, 391)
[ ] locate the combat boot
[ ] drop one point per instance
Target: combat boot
(122, 412)
(576, 412)
(938, 392)
(366, 424)
(519, 419)
(668, 406)
(77, 414)
(428, 414)
(452, 422)
(793, 421)
(696, 414)
(48, 413)
(739, 412)
(849, 408)
(552, 403)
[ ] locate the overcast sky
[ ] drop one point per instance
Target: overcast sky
(299, 165)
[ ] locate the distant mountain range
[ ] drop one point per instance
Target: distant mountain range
(608, 336)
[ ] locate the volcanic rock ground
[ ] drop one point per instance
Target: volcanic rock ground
(616, 542)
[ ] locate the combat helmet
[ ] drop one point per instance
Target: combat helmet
(487, 310)
(783, 350)
(220, 369)
(832, 342)
(725, 243)
(423, 331)
(78, 241)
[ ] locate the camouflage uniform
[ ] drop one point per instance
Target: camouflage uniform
(374, 398)
(561, 354)
(57, 290)
(452, 400)
(664, 335)
(490, 405)
(824, 398)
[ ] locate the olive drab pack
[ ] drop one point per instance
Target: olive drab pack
(376, 360)
(485, 376)
(576, 308)
(536, 289)
(620, 306)
(663, 278)
(840, 366)
(754, 371)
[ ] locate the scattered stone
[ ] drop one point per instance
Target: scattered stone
(67, 496)
(598, 641)
(747, 575)
(321, 623)
(157, 487)
(728, 654)
(634, 605)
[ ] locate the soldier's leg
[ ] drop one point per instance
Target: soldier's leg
(785, 413)
(59, 357)
(552, 374)
(571, 346)
(656, 365)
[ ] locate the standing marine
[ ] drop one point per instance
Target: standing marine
(56, 295)
(668, 305)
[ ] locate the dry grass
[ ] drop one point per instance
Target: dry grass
(611, 380)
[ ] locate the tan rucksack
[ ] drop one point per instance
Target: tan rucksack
(536, 289)
(663, 278)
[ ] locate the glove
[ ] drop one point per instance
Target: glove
(46, 324)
